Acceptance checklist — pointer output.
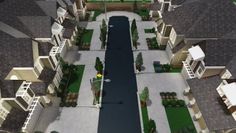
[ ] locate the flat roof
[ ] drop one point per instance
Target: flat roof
(196, 53)
(230, 92)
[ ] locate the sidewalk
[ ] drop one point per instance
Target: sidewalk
(130, 15)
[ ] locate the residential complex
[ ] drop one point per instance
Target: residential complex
(34, 34)
(38, 36)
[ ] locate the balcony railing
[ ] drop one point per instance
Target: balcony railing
(31, 112)
(188, 69)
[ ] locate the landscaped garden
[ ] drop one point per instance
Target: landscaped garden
(153, 45)
(162, 68)
(149, 125)
(177, 113)
(70, 84)
(83, 38)
(144, 13)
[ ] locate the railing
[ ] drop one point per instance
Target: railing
(188, 69)
(31, 112)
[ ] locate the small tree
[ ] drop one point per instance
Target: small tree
(144, 96)
(151, 127)
(139, 61)
(95, 87)
(103, 34)
(133, 26)
(98, 65)
(135, 38)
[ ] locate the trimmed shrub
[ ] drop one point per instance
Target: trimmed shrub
(181, 103)
(74, 104)
(165, 103)
(151, 127)
(173, 103)
(62, 104)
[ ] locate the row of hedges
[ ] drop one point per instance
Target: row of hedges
(168, 95)
(173, 103)
(159, 68)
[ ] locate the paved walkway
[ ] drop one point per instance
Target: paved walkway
(142, 35)
(95, 42)
(130, 15)
(76, 120)
(158, 83)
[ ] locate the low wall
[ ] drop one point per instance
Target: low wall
(116, 6)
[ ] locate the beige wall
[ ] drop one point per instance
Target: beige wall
(35, 50)
(211, 71)
(24, 74)
(6, 106)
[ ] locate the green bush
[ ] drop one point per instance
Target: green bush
(173, 103)
(165, 103)
(151, 126)
(62, 104)
(181, 103)
(74, 104)
(54, 132)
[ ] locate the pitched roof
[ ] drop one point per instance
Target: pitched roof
(218, 52)
(49, 7)
(44, 48)
(210, 105)
(39, 26)
(203, 18)
(47, 75)
(231, 66)
(177, 2)
(39, 88)
(14, 120)
(9, 88)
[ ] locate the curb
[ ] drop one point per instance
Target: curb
(140, 114)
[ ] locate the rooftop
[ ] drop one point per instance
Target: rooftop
(213, 110)
(230, 92)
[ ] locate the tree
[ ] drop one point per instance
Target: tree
(95, 87)
(98, 65)
(144, 96)
(139, 61)
(135, 38)
(151, 126)
(133, 26)
(103, 34)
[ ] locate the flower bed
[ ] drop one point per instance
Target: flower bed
(70, 84)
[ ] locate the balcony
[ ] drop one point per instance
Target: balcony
(187, 71)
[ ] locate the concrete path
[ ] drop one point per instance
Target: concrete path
(130, 15)
(161, 82)
(141, 25)
(76, 120)
(88, 59)
(95, 42)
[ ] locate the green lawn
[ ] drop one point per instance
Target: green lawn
(75, 79)
(175, 70)
(179, 117)
(96, 13)
(145, 117)
(87, 36)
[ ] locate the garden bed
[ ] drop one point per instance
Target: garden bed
(152, 30)
(145, 117)
(83, 38)
(165, 68)
(177, 113)
(153, 45)
(70, 84)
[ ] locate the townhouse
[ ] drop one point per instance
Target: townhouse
(34, 34)
(192, 21)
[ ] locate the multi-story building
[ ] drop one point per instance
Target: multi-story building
(193, 21)
(33, 36)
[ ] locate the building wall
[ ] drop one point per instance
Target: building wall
(34, 118)
(211, 72)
